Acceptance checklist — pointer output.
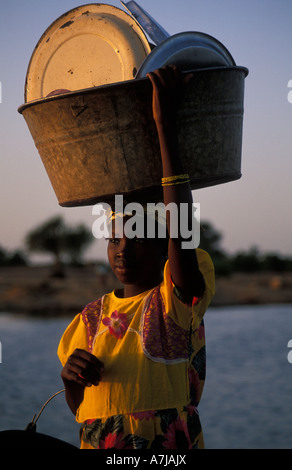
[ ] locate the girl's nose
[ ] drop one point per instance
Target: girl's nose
(124, 246)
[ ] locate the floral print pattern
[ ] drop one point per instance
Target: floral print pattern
(163, 339)
(109, 434)
(178, 430)
(91, 318)
(117, 324)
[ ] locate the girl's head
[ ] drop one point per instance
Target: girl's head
(136, 260)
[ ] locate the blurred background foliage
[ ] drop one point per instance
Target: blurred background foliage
(67, 245)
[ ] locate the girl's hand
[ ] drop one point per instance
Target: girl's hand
(82, 368)
(168, 84)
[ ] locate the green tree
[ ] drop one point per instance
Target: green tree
(210, 240)
(276, 262)
(15, 258)
(47, 238)
(76, 241)
(3, 257)
(247, 261)
(54, 237)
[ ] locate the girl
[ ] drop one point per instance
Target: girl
(134, 360)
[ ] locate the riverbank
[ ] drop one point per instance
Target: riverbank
(33, 290)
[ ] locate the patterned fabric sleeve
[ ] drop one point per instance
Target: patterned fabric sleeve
(183, 310)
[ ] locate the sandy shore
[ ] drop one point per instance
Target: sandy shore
(32, 290)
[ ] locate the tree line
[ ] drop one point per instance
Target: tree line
(64, 243)
(67, 245)
(251, 260)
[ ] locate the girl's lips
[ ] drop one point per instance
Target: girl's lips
(123, 266)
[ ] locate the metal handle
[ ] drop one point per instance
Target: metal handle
(150, 26)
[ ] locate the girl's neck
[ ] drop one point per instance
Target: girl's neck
(130, 290)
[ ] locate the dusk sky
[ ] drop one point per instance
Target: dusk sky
(254, 211)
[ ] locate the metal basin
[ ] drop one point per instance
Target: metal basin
(102, 141)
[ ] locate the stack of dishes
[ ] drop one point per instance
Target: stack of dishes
(98, 44)
(88, 46)
(189, 50)
(88, 107)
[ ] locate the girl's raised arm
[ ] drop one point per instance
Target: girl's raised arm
(168, 84)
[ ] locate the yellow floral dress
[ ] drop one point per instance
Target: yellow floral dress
(153, 349)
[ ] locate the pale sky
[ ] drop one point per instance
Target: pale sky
(253, 211)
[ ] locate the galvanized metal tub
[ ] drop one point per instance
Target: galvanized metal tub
(102, 141)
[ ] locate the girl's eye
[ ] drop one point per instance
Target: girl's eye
(139, 240)
(114, 241)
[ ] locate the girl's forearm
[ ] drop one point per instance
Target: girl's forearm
(183, 263)
(167, 91)
(172, 165)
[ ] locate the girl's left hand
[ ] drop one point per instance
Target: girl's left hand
(168, 84)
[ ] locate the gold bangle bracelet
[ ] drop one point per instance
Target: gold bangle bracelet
(175, 182)
(170, 179)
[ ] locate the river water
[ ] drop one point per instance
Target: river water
(247, 400)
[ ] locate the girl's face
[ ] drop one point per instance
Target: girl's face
(136, 261)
